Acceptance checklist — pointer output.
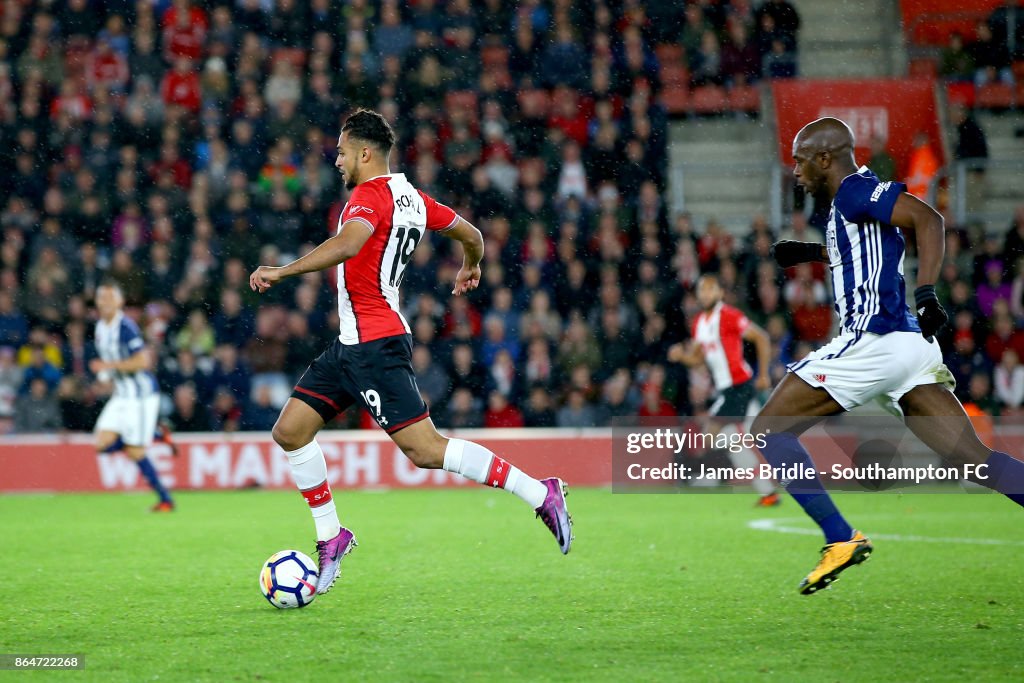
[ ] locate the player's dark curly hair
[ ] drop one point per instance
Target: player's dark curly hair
(370, 126)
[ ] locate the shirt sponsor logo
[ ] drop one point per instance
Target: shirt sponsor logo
(882, 187)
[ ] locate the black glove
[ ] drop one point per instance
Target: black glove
(930, 314)
(788, 253)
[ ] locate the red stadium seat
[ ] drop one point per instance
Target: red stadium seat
(923, 68)
(995, 96)
(709, 99)
(676, 99)
(962, 93)
(675, 75)
(745, 98)
(1018, 70)
(669, 53)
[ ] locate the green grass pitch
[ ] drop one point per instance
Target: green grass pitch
(466, 585)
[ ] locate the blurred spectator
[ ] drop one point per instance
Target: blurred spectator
(260, 414)
(706, 63)
(1007, 26)
(37, 410)
(1017, 293)
(538, 411)
(979, 393)
(226, 415)
(500, 413)
(1009, 382)
(993, 289)
(970, 140)
(577, 411)
(922, 168)
(991, 57)
(197, 336)
(1013, 243)
(78, 403)
(11, 375)
(779, 62)
(785, 19)
(956, 62)
(741, 61)
(462, 411)
(563, 61)
(881, 161)
(431, 378)
(39, 368)
(1004, 336)
(188, 414)
(653, 403)
(13, 323)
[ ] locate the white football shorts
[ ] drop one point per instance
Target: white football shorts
(133, 418)
(858, 367)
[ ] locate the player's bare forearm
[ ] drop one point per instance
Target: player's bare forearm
(134, 363)
(466, 234)
(687, 353)
(763, 346)
(331, 252)
(471, 240)
(931, 249)
(930, 234)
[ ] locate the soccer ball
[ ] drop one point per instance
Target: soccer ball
(288, 579)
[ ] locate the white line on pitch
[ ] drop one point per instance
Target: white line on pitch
(782, 526)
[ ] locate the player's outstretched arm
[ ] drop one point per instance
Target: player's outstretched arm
(789, 253)
(338, 249)
(472, 242)
(140, 360)
(930, 233)
(688, 353)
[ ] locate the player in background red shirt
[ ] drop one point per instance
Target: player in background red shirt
(370, 360)
(718, 335)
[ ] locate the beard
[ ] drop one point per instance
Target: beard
(350, 183)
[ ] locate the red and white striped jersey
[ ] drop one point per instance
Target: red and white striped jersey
(398, 215)
(720, 335)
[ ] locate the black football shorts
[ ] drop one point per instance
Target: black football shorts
(733, 402)
(377, 374)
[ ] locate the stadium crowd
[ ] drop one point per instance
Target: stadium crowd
(172, 147)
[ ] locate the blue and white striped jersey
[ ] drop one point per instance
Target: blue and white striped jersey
(120, 339)
(866, 256)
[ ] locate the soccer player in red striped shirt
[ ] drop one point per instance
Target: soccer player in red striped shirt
(370, 361)
(718, 335)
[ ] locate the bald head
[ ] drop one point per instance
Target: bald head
(824, 135)
(823, 153)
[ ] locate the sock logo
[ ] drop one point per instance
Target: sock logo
(497, 474)
(318, 495)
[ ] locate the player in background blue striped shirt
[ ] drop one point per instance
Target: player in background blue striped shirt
(883, 352)
(129, 419)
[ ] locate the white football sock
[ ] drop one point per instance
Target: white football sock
(746, 459)
(309, 470)
(475, 462)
